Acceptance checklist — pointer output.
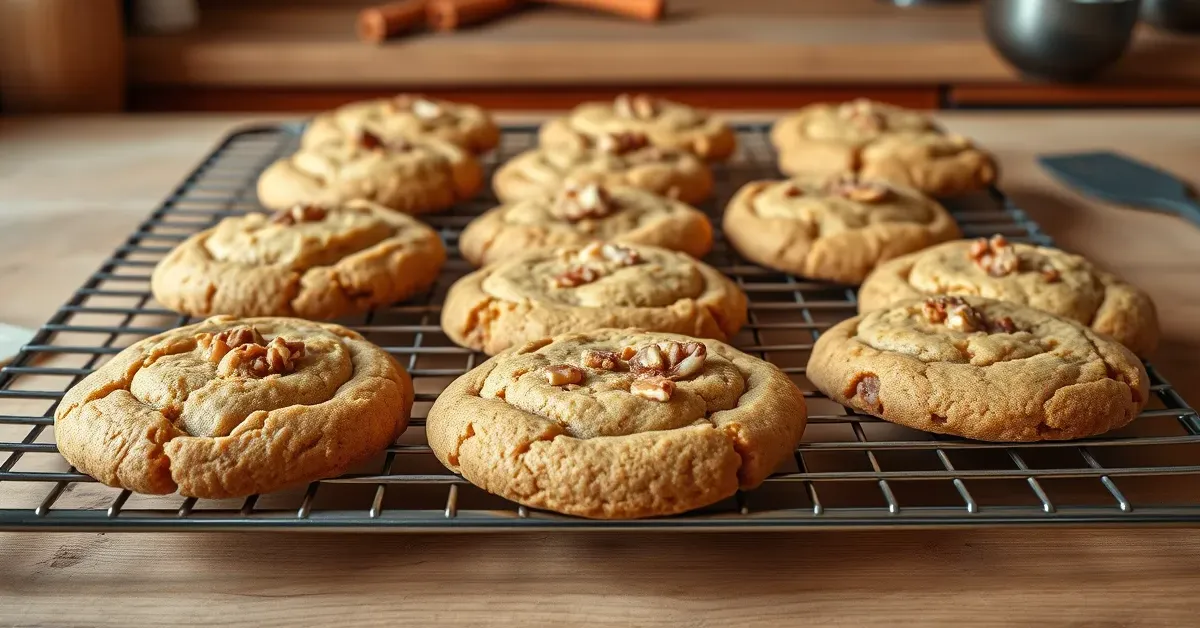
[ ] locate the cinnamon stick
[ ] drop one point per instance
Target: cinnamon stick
(378, 23)
(447, 15)
(645, 10)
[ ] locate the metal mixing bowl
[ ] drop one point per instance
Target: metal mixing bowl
(1067, 40)
(1174, 15)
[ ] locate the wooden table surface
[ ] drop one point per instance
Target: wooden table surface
(71, 188)
(285, 43)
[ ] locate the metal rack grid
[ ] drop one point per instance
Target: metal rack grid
(850, 471)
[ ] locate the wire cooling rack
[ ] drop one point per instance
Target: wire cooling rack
(850, 471)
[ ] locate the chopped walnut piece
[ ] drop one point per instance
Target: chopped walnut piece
(623, 255)
(628, 352)
(563, 374)
(219, 344)
(674, 360)
(370, 141)
(654, 388)
(299, 213)
(575, 275)
(426, 109)
(1004, 324)
(995, 256)
(852, 188)
(639, 107)
(588, 201)
(954, 312)
(1050, 274)
(278, 357)
(622, 143)
(791, 190)
(862, 114)
(603, 360)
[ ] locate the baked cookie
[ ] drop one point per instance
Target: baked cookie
(1048, 279)
(935, 163)
(832, 227)
(827, 137)
(614, 424)
(232, 407)
(306, 261)
(981, 369)
(619, 160)
(550, 292)
(407, 117)
(411, 176)
(576, 215)
(881, 142)
(666, 124)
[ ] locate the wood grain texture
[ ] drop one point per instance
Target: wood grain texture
(176, 98)
(81, 184)
(273, 44)
(1000, 95)
(61, 55)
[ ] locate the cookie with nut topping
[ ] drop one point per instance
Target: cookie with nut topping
(577, 214)
(232, 407)
(664, 123)
(614, 424)
(884, 142)
(979, 368)
(555, 291)
(308, 261)
(414, 176)
(835, 228)
(1042, 277)
(827, 137)
(625, 159)
(406, 117)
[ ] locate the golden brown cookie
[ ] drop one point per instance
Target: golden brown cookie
(411, 176)
(666, 124)
(554, 291)
(408, 117)
(825, 138)
(615, 424)
(832, 227)
(881, 142)
(232, 407)
(935, 163)
(1041, 277)
(624, 160)
(306, 261)
(576, 215)
(982, 369)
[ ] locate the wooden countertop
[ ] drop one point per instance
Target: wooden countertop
(281, 44)
(72, 189)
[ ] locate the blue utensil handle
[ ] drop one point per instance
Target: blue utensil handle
(1187, 209)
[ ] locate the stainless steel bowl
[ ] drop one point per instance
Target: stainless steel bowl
(1066, 40)
(1182, 16)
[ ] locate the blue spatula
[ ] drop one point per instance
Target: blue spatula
(1122, 180)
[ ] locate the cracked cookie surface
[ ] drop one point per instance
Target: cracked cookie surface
(566, 423)
(832, 227)
(624, 161)
(574, 216)
(407, 116)
(232, 407)
(1044, 278)
(664, 123)
(306, 261)
(880, 141)
(979, 368)
(554, 291)
(413, 176)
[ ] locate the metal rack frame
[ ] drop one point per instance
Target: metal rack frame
(851, 470)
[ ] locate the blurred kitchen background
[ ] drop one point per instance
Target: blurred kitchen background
(295, 55)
